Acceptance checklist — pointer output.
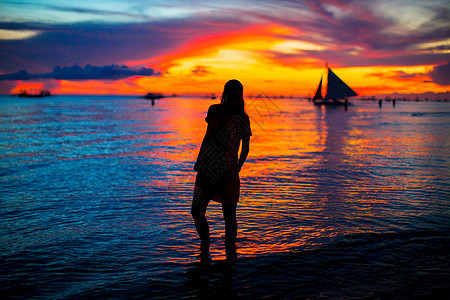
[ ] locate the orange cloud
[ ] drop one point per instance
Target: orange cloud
(249, 39)
(28, 86)
(240, 54)
(266, 58)
(119, 87)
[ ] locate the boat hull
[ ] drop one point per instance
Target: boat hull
(330, 102)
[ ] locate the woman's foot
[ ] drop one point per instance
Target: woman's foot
(204, 251)
(230, 250)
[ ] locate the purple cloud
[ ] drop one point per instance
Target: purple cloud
(378, 39)
(82, 43)
(75, 72)
(101, 43)
(201, 70)
(441, 74)
(403, 75)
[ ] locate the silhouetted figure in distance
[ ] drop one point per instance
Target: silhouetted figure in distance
(218, 165)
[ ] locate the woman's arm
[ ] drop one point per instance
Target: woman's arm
(244, 152)
(209, 115)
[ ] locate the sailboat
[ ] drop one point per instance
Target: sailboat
(336, 90)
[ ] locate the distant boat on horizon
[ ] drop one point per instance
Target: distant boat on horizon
(34, 94)
(336, 90)
(153, 96)
(212, 96)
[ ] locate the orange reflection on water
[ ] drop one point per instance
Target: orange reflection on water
(273, 147)
(312, 173)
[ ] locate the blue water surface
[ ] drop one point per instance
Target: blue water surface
(95, 200)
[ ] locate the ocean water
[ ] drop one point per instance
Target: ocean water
(95, 196)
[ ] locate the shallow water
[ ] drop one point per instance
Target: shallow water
(95, 200)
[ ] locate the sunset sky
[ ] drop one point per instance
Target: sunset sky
(272, 46)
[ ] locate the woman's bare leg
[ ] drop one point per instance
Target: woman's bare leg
(229, 215)
(198, 211)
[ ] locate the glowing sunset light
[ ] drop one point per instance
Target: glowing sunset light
(275, 47)
(27, 86)
(17, 34)
(239, 54)
(292, 47)
(250, 39)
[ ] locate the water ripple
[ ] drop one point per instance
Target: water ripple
(96, 191)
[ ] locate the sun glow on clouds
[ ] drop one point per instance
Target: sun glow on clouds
(376, 80)
(278, 47)
(242, 54)
(259, 56)
(292, 47)
(119, 87)
(6, 34)
(436, 47)
(250, 55)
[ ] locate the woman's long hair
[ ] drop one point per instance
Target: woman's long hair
(233, 96)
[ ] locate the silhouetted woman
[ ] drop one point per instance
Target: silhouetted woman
(218, 165)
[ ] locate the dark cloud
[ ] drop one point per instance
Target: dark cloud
(441, 74)
(347, 58)
(83, 43)
(21, 75)
(75, 72)
(398, 75)
(101, 43)
(6, 86)
(439, 48)
(201, 70)
(403, 75)
(361, 27)
(92, 11)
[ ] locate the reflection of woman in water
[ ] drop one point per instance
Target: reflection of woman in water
(218, 165)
